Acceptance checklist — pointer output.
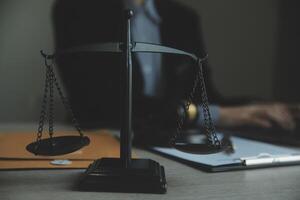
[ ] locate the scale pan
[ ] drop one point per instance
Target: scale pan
(58, 145)
(198, 148)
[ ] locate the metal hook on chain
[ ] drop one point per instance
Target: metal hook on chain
(48, 58)
(201, 60)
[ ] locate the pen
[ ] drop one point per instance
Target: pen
(264, 159)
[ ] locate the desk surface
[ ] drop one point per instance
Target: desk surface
(184, 182)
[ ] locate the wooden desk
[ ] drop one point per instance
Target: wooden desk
(184, 183)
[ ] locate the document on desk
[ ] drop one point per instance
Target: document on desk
(247, 154)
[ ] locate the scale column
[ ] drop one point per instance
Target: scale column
(126, 118)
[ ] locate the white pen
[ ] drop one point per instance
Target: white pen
(264, 159)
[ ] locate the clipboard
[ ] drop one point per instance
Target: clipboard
(248, 154)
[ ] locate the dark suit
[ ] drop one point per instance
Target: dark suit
(93, 81)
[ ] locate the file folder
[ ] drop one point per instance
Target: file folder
(13, 153)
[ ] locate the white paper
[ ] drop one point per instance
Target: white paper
(242, 147)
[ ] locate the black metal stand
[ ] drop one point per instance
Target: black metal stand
(125, 174)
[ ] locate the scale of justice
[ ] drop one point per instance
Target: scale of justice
(123, 174)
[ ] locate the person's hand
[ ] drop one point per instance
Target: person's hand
(264, 115)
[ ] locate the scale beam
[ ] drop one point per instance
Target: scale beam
(118, 47)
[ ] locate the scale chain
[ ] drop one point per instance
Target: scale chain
(209, 127)
(51, 104)
(51, 82)
(66, 103)
(44, 107)
(207, 116)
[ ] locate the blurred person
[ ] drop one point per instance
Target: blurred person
(161, 82)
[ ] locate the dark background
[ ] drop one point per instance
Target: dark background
(253, 47)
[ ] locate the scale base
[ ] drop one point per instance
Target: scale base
(108, 175)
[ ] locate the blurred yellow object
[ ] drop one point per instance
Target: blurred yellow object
(192, 112)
